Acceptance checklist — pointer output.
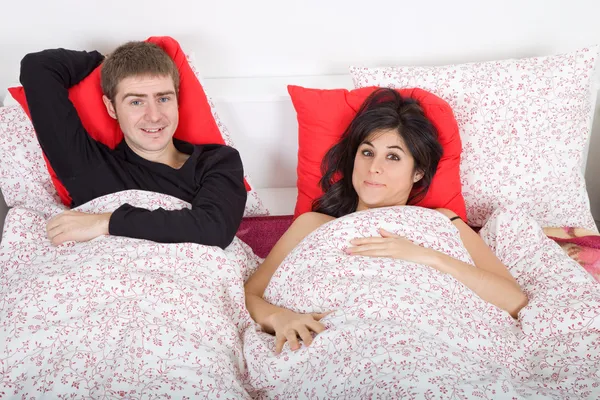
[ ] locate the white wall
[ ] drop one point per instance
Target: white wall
(310, 37)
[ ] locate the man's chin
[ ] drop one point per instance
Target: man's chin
(151, 146)
(155, 147)
(160, 140)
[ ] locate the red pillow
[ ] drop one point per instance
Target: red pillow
(196, 123)
(324, 115)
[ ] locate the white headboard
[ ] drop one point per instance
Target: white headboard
(262, 122)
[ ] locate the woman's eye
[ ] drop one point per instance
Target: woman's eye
(367, 153)
(393, 157)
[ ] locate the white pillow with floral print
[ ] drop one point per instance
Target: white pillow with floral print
(524, 125)
(24, 177)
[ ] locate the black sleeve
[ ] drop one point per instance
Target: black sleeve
(215, 216)
(46, 77)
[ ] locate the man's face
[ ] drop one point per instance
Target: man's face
(147, 111)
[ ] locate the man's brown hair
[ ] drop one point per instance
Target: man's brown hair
(136, 59)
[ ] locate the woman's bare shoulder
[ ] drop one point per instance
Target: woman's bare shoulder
(308, 222)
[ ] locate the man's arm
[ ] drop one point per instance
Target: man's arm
(216, 213)
(46, 77)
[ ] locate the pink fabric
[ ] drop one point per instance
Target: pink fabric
(592, 242)
(583, 249)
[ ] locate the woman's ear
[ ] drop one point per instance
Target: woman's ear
(418, 176)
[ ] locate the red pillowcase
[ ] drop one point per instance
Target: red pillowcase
(196, 123)
(324, 115)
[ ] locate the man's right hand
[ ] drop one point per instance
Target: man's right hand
(288, 326)
(77, 226)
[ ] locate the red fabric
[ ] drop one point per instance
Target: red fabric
(196, 123)
(262, 233)
(324, 115)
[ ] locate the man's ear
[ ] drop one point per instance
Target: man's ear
(110, 108)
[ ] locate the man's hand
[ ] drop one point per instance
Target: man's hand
(77, 226)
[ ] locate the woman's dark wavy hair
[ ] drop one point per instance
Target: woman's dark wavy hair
(384, 109)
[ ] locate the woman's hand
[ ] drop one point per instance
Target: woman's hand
(288, 326)
(390, 245)
(489, 279)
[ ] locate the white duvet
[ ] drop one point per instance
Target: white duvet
(400, 330)
(117, 317)
(124, 318)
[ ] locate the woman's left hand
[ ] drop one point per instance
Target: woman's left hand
(389, 245)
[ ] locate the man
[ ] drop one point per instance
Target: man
(140, 84)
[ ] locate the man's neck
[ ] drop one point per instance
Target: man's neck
(169, 155)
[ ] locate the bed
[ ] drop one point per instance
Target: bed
(125, 318)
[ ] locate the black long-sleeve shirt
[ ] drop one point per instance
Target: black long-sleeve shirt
(211, 179)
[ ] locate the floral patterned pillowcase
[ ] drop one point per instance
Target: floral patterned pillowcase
(24, 178)
(524, 126)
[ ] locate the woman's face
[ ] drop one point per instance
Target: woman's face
(383, 172)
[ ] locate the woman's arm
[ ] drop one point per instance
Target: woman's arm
(490, 280)
(272, 319)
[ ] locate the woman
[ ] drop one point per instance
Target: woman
(386, 157)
